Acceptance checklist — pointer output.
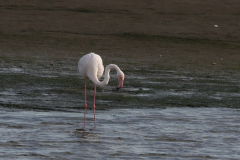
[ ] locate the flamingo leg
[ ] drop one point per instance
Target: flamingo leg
(85, 104)
(94, 104)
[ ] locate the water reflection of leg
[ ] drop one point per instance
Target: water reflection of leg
(85, 134)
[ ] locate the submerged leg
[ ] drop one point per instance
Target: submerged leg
(85, 104)
(94, 104)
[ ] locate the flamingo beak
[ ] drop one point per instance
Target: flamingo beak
(120, 85)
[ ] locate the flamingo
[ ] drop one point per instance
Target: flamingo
(90, 66)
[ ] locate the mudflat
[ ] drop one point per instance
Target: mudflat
(41, 43)
(188, 34)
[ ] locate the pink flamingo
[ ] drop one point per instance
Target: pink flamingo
(91, 66)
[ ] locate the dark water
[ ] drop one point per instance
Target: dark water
(172, 133)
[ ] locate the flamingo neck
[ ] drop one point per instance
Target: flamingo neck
(106, 77)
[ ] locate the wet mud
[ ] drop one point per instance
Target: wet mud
(58, 86)
(171, 52)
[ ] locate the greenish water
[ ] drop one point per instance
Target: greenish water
(45, 87)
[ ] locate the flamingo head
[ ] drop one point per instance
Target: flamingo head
(120, 77)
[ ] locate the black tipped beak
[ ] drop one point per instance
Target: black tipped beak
(116, 89)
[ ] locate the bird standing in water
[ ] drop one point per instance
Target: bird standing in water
(90, 66)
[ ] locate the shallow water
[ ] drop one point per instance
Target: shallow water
(172, 133)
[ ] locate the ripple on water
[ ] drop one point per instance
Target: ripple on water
(184, 133)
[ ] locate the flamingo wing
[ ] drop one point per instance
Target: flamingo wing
(90, 65)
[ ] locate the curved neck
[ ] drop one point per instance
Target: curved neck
(107, 76)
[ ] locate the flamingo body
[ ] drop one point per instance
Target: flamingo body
(90, 66)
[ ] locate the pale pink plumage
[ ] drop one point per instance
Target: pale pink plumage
(91, 66)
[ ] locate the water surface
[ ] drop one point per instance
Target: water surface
(172, 133)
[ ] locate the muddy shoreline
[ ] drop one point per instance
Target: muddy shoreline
(171, 52)
(48, 86)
